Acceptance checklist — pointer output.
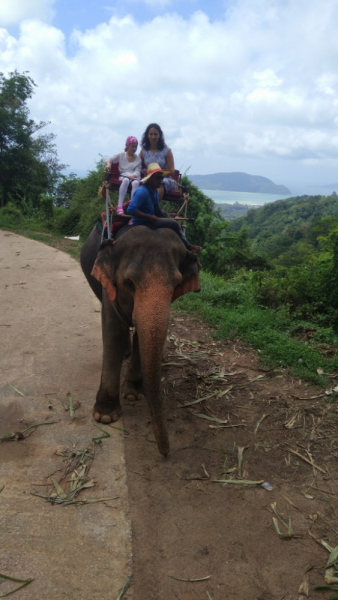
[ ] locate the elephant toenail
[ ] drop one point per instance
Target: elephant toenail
(106, 419)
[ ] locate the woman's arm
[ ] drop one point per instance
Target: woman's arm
(137, 169)
(170, 162)
(143, 167)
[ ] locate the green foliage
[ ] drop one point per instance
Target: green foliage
(46, 208)
(66, 221)
(10, 217)
(287, 228)
(85, 205)
(66, 189)
(28, 162)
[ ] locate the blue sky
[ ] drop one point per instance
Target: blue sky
(83, 15)
(237, 85)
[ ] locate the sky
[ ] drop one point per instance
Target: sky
(236, 85)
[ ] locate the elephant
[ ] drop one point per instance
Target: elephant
(136, 277)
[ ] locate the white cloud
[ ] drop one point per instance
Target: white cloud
(14, 11)
(260, 84)
(267, 78)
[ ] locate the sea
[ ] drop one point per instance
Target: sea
(224, 197)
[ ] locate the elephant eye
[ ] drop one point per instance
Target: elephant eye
(129, 285)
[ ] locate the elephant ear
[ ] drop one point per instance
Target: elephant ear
(104, 270)
(189, 269)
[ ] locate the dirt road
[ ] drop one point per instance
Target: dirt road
(51, 345)
(194, 537)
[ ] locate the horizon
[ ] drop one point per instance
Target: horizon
(222, 79)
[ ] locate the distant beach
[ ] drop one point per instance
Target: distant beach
(224, 197)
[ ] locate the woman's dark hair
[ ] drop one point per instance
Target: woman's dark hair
(145, 143)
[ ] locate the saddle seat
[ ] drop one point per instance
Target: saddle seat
(112, 177)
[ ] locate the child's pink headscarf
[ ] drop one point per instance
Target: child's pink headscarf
(130, 140)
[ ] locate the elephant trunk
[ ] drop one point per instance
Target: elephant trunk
(151, 318)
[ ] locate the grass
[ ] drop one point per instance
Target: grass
(267, 331)
(35, 231)
(230, 310)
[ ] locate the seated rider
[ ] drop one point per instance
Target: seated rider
(145, 208)
(130, 170)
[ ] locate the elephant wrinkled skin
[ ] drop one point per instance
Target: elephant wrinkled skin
(136, 278)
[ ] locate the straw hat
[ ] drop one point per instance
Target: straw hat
(154, 168)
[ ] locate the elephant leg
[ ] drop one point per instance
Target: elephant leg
(133, 386)
(115, 336)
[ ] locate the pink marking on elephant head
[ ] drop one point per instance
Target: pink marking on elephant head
(105, 281)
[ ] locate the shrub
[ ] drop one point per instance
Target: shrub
(10, 217)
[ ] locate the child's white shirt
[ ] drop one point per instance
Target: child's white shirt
(126, 168)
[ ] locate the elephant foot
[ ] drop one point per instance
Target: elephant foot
(133, 390)
(106, 411)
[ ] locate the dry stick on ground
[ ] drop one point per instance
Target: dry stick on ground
(16, 390)
(244, 482)
(309, 398)
(287, 524)
(79, 464)
(198, 400)
(190, 580)
(324, 491)
(259, 422)
(240, 450)
(307, 460)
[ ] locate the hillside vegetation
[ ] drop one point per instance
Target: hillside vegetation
(288, 230)
(238, 182)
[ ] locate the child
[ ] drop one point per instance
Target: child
(130, 170)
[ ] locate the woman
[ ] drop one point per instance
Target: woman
(155, 150)
(130, 170)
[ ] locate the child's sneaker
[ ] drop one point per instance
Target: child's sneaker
(119, 210)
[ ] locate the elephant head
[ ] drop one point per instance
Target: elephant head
(142, 273)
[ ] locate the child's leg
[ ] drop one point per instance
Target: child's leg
(134, 185)
(122, 192)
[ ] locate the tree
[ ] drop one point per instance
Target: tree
(66, 189)
(28, 162)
